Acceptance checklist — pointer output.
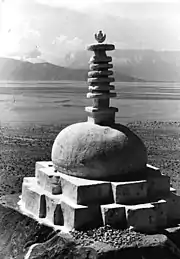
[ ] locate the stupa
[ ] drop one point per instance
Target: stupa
(99, 173)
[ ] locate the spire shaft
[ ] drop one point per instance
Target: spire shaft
(100, 78)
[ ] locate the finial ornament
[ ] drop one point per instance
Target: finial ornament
(100, 37)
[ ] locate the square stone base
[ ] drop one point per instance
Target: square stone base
(76, 203)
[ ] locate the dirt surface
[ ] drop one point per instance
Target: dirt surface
(162, 140)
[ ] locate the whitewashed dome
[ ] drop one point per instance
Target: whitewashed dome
(91, 151)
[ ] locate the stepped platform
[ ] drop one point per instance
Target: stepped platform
(145, 204)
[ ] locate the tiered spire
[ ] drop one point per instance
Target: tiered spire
(99, 79)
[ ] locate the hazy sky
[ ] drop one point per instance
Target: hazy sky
(49, 29)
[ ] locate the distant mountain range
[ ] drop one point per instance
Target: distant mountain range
(148, 65)
(16, 70)
(129, 65)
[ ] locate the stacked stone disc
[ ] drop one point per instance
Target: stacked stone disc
(100, 79)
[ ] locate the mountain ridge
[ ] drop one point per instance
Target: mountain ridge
(17, 70)
(147, 64)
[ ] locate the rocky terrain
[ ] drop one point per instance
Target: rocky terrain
(22, 147)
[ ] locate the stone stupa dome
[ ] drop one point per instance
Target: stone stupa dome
(100, 148)
(96, 152)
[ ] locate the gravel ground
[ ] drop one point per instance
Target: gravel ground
(20, 148)
(114, 237)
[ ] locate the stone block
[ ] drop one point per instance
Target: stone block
(173, 233)
(85, 192)
(160, 208)
(49, 180)
(113, 215)
(80, 216)
(148, 216)
(42, 164)
(152, 170)
(158, 186)
(27, 182)
(173, 190)
(53, 209)
(141, 217)
(99, 117)
(34, 201)
(129, 192)
(173, 207)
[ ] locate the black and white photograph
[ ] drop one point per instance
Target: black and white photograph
(89, 129)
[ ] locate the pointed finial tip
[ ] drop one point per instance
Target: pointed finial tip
(100, 37)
